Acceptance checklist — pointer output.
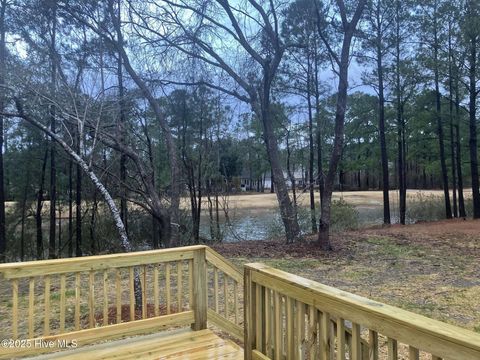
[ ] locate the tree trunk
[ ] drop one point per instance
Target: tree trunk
(122, 134)
(473, 126)
(93, 223)
(381, 124)
(125, 243)
(24, 211)
(38, 213)
(320, 179)
(3, 239)
(272, 190)
(450, 108)
(326, 201)
(53, 170)
(173, 223)
(461, 202)
(402, 186)
(287, 211)
(70, 208)
(291, 175)
(78, 203)
(311, 157)
(438, 115)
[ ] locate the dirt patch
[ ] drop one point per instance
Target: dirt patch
(427, 268)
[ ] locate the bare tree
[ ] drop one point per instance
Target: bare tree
(21, 113)
(251, 27)
(341, 65)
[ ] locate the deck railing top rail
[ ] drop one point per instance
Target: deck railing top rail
(96, 262)
(362, 315)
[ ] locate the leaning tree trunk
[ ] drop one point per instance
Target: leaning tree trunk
(125, 243)
(174, 223)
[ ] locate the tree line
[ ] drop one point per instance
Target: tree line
(133, 107)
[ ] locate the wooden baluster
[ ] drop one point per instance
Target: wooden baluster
(413, 353)
(312, 332)
(326, 336)
(235, 300)
(156, 302)
(15, 308)
(225, 294)
(144, 291)
(268, 323)
(31, 308)
(278, 325)
(63, 281)
(91, 299)
(118, 296)
(215, 288)
(105, 298)
(340, 338)
(46, 330)
(77, 301)
(167, 286)
(300, 330)
(373, 345)
(179, 286)
(290, 329)
(356, 344)
(392, 349)
(132, 292)
(190, 284)
(259, 318)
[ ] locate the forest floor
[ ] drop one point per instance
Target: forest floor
(428, 268)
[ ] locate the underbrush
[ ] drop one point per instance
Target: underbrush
(428, 207)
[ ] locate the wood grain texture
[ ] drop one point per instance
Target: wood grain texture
(444, 340)
(98, 262)
(88, 336)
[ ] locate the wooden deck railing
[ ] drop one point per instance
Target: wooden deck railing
(225, 295)
(284, 317)
(289, 317)
(94, 298)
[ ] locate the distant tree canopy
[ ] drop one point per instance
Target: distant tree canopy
(173, 106)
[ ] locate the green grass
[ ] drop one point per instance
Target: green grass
(388, 247)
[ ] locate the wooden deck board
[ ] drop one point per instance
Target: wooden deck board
(174, 345)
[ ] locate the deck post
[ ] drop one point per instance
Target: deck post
(199, 289)
(249, 314)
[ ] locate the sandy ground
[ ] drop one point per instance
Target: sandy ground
(369, 199)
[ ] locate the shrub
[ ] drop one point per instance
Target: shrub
(425, 207)
(344, 216)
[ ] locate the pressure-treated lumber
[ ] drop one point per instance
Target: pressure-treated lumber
(444, 340)
(200, 304)
(181, 344)
(89, 336)
(98, 262)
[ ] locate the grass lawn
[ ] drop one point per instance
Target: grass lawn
(428, 268)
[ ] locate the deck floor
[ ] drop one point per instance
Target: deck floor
(180, 344)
